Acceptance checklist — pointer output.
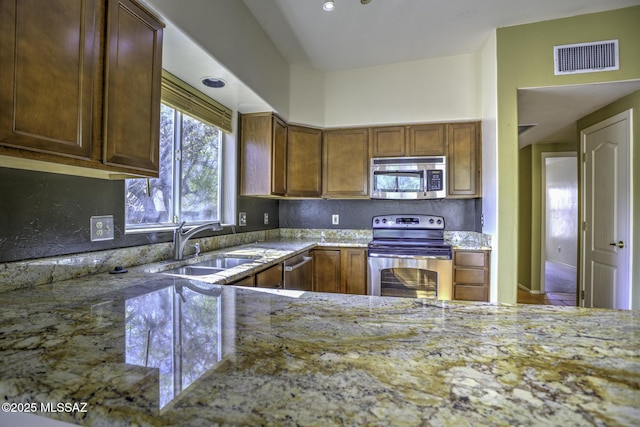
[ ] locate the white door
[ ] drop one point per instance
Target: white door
(607, 213)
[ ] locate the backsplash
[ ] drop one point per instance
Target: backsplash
(19, 274)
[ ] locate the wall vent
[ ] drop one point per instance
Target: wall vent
(586, 57)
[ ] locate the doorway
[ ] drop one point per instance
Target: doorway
(559, 227)
(606, 197)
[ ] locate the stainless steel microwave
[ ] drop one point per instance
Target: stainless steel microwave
(408, 178)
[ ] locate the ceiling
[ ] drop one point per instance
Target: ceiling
(359, 35)
(389, 31)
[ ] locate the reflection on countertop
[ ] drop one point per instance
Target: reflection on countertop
(245, 357)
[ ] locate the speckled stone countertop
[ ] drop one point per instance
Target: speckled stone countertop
(150, 349)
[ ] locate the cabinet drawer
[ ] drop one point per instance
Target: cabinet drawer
(270, 278)
(469, 259)
(470, 292)
(469, 275)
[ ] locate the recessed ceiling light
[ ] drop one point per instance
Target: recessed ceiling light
(213, 82)
(329, 5)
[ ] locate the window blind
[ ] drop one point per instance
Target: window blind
(191, 101)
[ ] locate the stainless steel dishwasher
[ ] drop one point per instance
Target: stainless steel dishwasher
(298, 272)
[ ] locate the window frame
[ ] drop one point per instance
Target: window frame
(186, 100)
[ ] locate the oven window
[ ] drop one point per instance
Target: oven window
(409, 282)
(398, 181)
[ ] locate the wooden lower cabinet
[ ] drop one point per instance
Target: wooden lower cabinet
(340, 270)
(471, 275)
(247, 281)
(272, 277)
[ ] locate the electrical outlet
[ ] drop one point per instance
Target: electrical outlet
(266, 218)
(242, 219)
(101, 228)
(335, 219)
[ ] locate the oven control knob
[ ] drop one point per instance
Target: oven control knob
(384, 220)
(439, 221)
(430, 220)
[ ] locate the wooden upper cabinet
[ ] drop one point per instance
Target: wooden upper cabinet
(263, 155)
(48, 68)
(304, 161)
(388, 141)
(463, 160)
(345, 160)
(132, 84)
(408, 141)
(426, 140)
(80, 87)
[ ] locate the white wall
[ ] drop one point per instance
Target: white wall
(489, 155)
(443, 89)
(228, 31)
(307, 97)
(561, 210)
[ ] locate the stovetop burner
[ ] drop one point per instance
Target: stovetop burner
(409, 235)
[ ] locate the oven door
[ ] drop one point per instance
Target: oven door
(410, 277)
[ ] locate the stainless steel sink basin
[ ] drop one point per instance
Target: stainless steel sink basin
(211, 266)
(223, 263)
(193, 270)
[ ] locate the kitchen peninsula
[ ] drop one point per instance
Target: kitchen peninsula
(151, 349)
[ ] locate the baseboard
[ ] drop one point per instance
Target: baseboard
(524, 288)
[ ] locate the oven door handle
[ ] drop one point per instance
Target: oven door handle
(416, 257)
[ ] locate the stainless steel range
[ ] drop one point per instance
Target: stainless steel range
(409, 258)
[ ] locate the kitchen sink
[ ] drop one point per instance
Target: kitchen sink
(193, 270)
(212, 266)
(223, 262)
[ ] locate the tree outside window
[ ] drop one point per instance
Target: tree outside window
(189, 182)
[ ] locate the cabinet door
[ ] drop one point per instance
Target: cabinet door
(263, 155)
(345, 163)
(354, 263)
(326, 270)
(304, 162)
(426, 140)
(49, 54)
(133, 72)
(247, 281)
(271, 277)
(279, 157)
(463, 156)
(388, 141)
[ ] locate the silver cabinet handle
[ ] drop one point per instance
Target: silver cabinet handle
(298, 265)
(620, 244)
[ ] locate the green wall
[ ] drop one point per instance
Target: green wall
(628, 102)
(525, 60)
(530, 210)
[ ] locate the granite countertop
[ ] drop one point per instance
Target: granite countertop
(156, 350)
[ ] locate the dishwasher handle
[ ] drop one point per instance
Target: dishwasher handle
(306, 259)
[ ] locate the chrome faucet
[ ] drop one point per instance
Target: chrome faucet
(180, 236)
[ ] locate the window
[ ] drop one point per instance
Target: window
(191, 185)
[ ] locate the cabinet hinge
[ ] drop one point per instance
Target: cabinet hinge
(582, 295)
(584, 225)
(584, 157)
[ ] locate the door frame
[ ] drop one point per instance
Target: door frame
(543, 212)
(628, 115)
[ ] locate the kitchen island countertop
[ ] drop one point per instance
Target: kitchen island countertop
(152, 349)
